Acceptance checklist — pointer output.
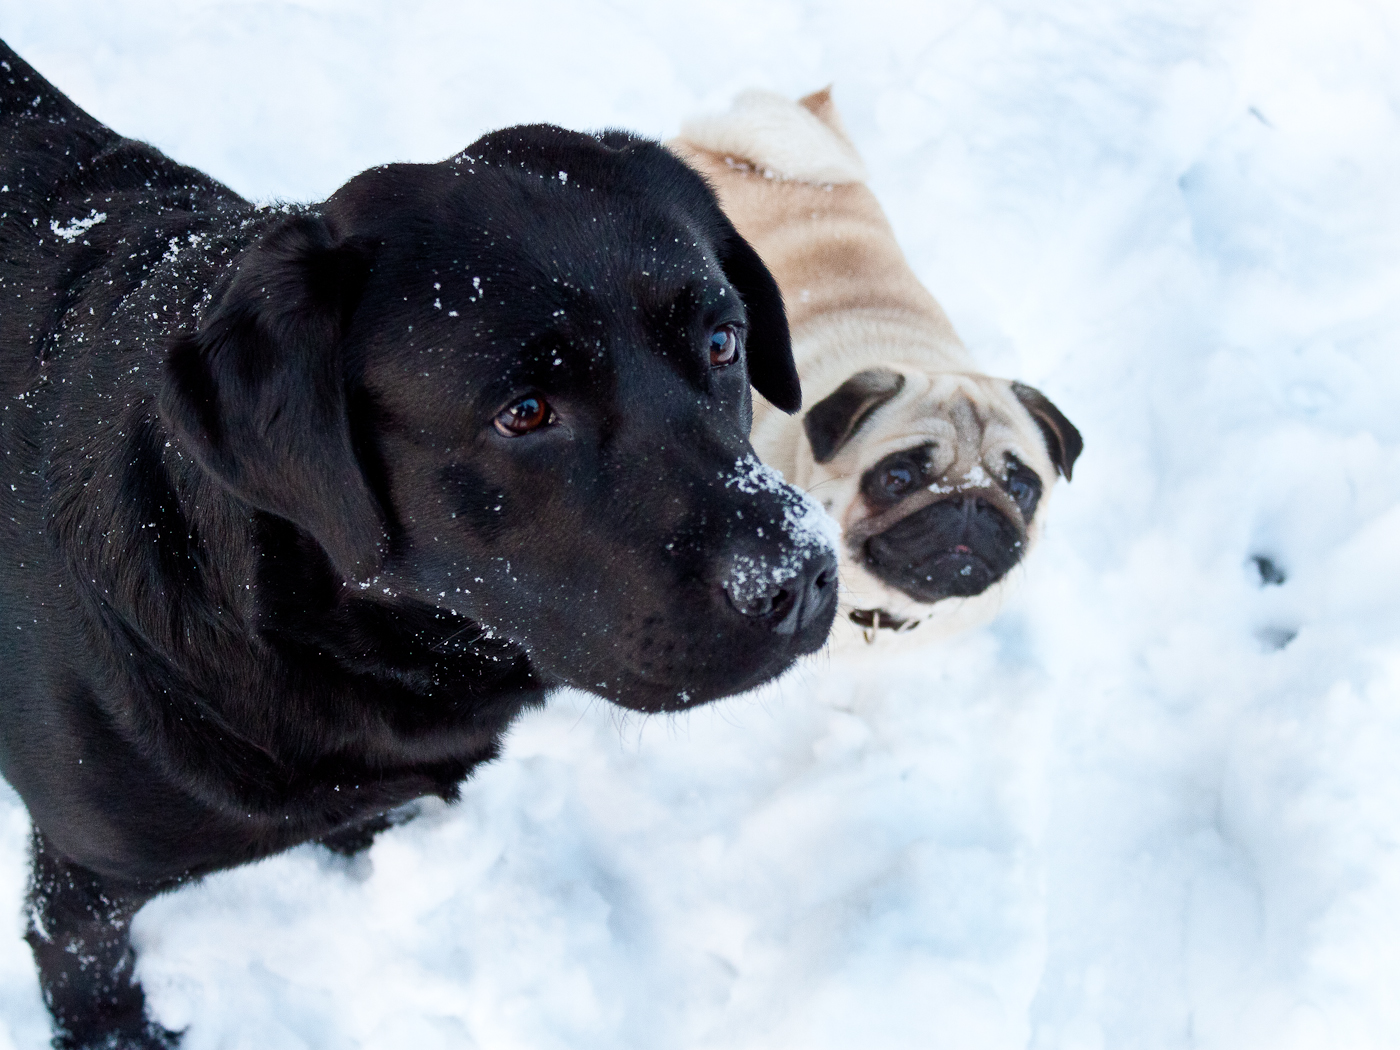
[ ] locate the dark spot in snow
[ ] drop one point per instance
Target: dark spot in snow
(1270, 574)
(1275, 638)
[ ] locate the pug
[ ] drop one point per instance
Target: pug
(938, 474)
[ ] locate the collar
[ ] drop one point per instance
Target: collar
(874, 620)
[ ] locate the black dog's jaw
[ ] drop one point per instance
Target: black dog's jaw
(300, 507)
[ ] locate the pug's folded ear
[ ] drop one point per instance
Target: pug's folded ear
(833, 421)
(258, 393)
(1062, 440)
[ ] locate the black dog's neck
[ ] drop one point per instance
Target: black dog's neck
(293, 599)
(234, 628)
(406, 643)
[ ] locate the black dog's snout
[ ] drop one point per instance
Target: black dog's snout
(756, 601)
(787, 601)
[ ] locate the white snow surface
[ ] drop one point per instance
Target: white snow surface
(1155, 804)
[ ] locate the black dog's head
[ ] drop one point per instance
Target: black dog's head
(515, 386)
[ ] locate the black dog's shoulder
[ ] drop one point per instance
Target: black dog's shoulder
(175, 636)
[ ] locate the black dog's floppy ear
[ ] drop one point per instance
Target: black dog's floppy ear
(834, 420)
(258, 393)
(1062, 440)
(772, 371)
(768, 347)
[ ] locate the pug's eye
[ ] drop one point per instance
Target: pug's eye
(896, 481)
(896, 476)
(527, 414)
(724, 345)
(1023, 485)
(1020, 489)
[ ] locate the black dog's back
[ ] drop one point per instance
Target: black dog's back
(59, 170)
(53, 153)
(44, 137)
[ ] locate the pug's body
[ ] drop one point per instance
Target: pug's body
(937, 473)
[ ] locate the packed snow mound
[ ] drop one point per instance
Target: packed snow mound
(1154, 804)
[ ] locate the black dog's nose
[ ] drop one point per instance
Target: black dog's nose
(788, 602)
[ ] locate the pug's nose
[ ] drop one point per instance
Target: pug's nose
(787, 598)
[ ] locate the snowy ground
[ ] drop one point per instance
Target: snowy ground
(1156, 804)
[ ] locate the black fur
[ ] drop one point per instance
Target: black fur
(268, 570)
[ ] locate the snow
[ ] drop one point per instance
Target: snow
(1154, 804)
(75, 228)
(808, 527)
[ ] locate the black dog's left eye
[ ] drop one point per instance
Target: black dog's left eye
(724, 346)
(527, 414)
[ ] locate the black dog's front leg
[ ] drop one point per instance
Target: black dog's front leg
(354, 839)
(79, 924)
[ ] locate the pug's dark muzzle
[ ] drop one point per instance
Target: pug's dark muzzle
(953, 547)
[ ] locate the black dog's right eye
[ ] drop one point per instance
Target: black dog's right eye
(724, 346)
(527, 414)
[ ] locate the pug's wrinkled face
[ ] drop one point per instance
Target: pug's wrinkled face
(938, 480)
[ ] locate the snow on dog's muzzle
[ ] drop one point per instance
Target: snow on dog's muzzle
(786, 582)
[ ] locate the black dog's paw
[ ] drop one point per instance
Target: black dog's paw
(353, 840)
(150, 1036)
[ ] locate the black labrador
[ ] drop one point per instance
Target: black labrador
(301, 506)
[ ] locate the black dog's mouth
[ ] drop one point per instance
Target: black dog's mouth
(653, 697)
(955, 548)
(741, 665)
(729, 600)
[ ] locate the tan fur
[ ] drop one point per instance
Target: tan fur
(854, 304)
